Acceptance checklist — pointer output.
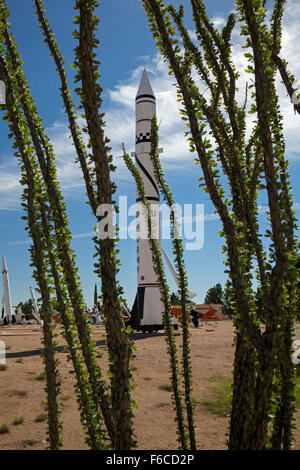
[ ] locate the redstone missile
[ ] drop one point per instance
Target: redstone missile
(8, 313)
(147, 310)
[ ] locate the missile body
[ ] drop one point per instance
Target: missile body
(147, 309)
(8, 314)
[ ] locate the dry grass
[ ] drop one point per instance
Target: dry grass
(40, 377)
(65, 397)
(166, 387)
(29, 442)
(18, 421)
(41, 418)
(212, 356)
(220, 401)
(298, 392)
(4, 429)
(18, 393)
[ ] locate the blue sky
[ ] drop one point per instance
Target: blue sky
(126, 47)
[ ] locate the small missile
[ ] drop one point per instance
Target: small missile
(8, 314)
(2, 92)
(35, 312)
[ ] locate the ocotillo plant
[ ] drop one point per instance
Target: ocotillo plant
(248, 166)
(182, 276)
(39, 225)
(88, 411)
(45, 157)
(279, 196)
(119, 345)
(118, 417)
(274, 44)
(96, 168)
(165, 297)
(82, 154)
(30, 179)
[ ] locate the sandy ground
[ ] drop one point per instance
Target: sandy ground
(22, 395)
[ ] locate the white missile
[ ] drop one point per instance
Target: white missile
(97, 315)
(2, 92)
(8, 313)
(147, 310)
(191, 295)
(35, 312)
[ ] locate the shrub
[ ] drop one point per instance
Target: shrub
(41, 418)
(4, 429)
(18, 421)
(166, 387)
(220, 402)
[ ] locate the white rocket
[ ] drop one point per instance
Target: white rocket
(35, 312)
(191, 295)
(8, 313)
(147, 310)
(2, 92)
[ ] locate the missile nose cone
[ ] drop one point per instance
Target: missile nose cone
(145, 86)
(3, 262)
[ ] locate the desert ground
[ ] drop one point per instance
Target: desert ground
(22, 389)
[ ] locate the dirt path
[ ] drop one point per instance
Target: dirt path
(22, 394)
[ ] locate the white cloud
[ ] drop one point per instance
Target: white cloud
(20, 242)
(10, 189)
(76, 236)
(69, 173)
(119, 106)
(218, 21)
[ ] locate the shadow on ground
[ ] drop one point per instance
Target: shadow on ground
(39, 351)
